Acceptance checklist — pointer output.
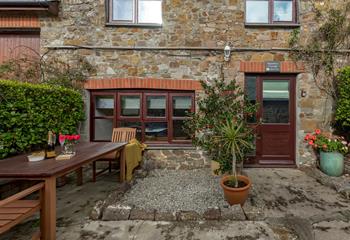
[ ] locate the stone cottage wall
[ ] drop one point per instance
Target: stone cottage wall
(186, 23)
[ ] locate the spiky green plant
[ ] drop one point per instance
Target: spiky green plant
(235, 139)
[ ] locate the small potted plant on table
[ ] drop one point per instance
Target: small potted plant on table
(331, 150)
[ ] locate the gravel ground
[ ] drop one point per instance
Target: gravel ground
(175, 190)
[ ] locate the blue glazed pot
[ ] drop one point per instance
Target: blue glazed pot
(332, 163)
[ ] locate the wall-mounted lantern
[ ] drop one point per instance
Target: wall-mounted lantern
(227, 53)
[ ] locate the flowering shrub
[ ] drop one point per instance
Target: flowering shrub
(325, 143)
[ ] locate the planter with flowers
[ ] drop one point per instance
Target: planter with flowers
(331, 149)
(68, 143)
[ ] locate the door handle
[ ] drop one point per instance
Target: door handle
(258, 137)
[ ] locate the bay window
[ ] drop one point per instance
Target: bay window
(271, 11)
(158, 116)
(135, 12)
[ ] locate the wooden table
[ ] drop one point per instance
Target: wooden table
(49, 170)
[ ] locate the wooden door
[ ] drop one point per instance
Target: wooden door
(275, 141)
(19, 45)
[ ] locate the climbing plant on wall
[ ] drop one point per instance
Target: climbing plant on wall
(326, 49)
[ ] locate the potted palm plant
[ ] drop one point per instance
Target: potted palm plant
(219, 127)
(235, 139)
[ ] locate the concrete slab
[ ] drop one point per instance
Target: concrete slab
(290, 192)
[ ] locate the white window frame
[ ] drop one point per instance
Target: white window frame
(135, 18)
(271, 21)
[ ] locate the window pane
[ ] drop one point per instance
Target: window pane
(123, 10)
(104, 106)
(103, 129)
(251, 88)
(276, 101)
(283, 11)
(250, 85)
(150, 11)
(257, 11)
(156, 106)
(156, 131)
(130, 106)
(178, 132)
(182, 105)
(136, 125)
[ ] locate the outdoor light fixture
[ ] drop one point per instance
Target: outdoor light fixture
(227, 53)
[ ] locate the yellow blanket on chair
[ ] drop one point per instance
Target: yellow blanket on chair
(133, 156)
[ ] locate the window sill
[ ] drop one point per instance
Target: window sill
(134, 25)
(272, 25)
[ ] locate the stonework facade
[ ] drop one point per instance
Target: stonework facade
(175, 159)
(189, 45)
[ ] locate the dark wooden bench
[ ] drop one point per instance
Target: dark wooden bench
(15, 209)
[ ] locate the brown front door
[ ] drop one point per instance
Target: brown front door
(275, 141)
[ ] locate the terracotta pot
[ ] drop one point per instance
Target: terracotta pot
(236, 195)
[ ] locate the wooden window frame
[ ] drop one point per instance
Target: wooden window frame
(118, 119)
(133, 23)
(93, 117)
(172, 117)
(271, 22)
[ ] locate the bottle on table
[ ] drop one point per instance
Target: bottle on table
(50, 150)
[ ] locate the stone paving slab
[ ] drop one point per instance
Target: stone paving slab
(149, 230)
(338, 230)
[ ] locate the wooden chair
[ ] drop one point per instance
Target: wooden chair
(118, 135)
(14, 210)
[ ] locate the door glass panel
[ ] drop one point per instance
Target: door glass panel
(104, 106)
(156, 106)
(178, 132)
(275, 101)
(103, 129)
(250, 85)
(257, 11)
(136, 125)
(182, 106)
(123, 10)
(283, 11)
(130, 106)
(156, 131)
(252, 153)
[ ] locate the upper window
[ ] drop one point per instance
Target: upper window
(270, 11)
(135, 12)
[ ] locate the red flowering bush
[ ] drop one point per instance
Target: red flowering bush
(322, 142)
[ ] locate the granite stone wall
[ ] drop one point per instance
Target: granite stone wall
(186, 23)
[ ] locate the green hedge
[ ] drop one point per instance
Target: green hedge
(28, 111)
(343, 104)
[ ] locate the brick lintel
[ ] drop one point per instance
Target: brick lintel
(259, 67)
(143, 83)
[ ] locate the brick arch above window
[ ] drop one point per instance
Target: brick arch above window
(143, 83)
